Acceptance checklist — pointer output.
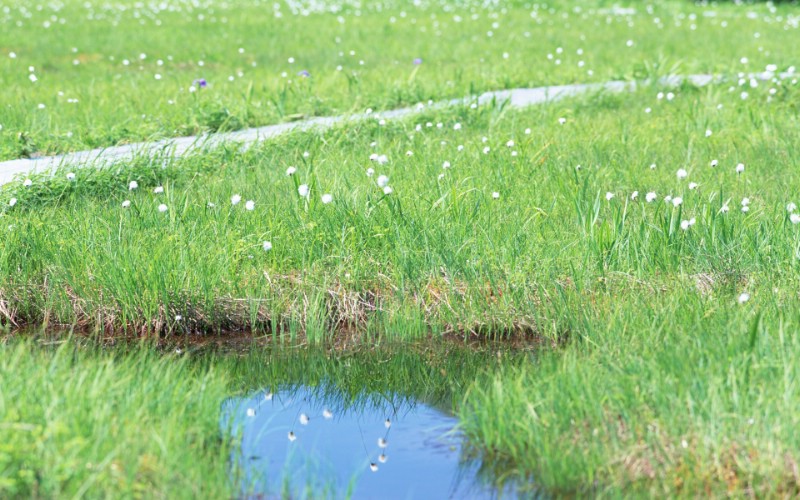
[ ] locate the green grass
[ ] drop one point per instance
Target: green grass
(87, 96)
(668, 331)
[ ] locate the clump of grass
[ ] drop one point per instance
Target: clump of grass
(77, 421)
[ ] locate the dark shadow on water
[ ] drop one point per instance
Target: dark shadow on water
(308, 443)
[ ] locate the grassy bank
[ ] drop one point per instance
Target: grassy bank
(78, 74)
(489, 222)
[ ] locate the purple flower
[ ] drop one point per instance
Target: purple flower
(304, 73)
(417, 61)
(200, 82)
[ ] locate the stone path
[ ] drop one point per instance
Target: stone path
(184, 145)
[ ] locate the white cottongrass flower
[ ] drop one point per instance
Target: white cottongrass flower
(634, 195)
(745, 201)
(652, 166)
(744, 297)
(724, 209)
(745, 208)
(510, 144)
(178, 317)
(370, 172)
(211, 204)
(693, 185)
(714, 163)
(133, 185)
(651, 197)
(235, 199)
(496, 195)
(158, 189)
(708, 132)
(677, 201)
(162, 208)
(126, 203)
(682, 173)
(686, 224)
(791, 207)
(327, 198)
(387, 190)
(267, 246)
(486, 150)
(303, 190)
(740, 168)
(460, 147)
(795, 218)
(291, 171)
(70, 176)
(668, 198)
(382, 160)
(609, 196)
(250, 205)
(562, 121)
(527, 131)
(457, 126)
(383, 181)
(409, 153)
(12, 202)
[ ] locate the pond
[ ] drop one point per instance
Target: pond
(307, 442)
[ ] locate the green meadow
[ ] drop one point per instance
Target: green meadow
(604, 289)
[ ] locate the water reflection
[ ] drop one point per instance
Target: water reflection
(302, 443)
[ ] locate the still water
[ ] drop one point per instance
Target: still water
(304, 443)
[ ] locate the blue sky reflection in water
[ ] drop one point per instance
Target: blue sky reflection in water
(298, 443)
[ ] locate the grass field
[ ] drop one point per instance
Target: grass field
(78, 75)
(646, 245)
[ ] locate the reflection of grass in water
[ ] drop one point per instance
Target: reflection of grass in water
(389, 380)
